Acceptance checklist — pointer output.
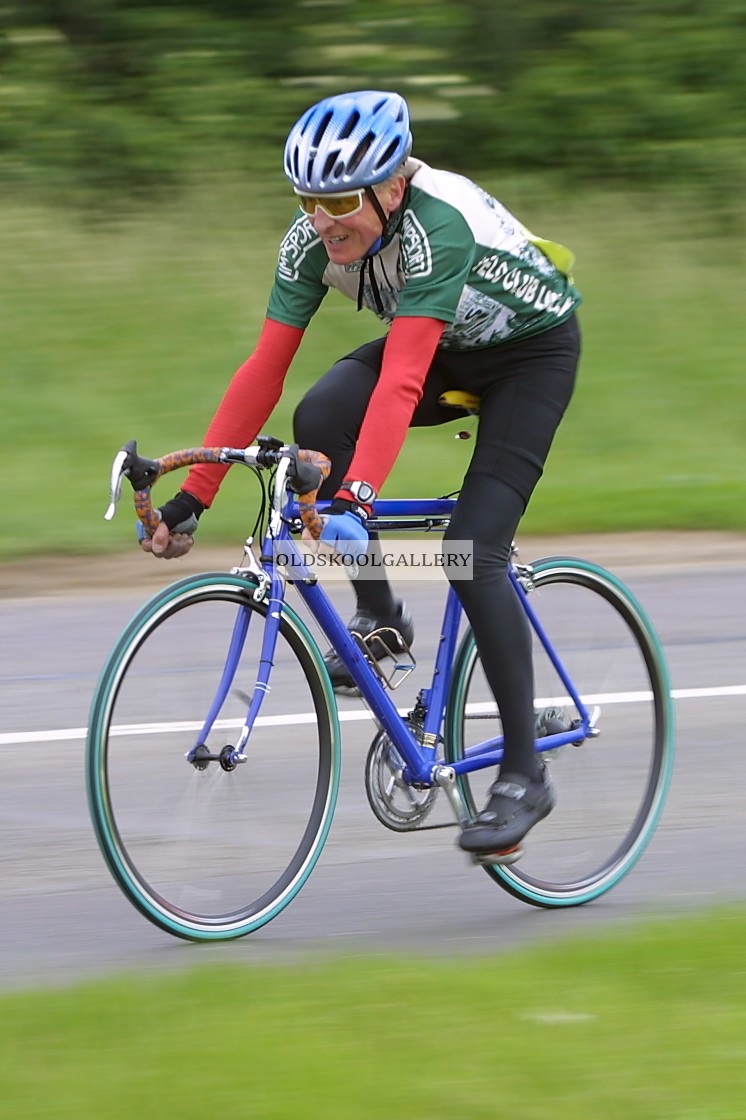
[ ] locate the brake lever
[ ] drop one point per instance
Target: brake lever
(141, 472)
(115, 484)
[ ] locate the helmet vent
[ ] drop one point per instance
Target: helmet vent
(352, 121)
(329, 165)
(388, 154)
(323, 125)
(362, 148)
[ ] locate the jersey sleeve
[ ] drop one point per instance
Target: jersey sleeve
(299, 286)
(253, 392)
(407, 355)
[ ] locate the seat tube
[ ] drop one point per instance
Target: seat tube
(437, 695)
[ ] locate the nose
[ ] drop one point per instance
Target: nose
(321, 222)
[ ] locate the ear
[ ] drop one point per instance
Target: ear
(395, 193)
(398, 188)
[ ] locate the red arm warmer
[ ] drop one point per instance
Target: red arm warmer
(252, 394)
(407, 357)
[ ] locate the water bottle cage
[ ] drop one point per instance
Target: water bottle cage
(395, 648)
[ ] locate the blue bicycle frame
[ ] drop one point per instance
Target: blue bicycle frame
(420, 757)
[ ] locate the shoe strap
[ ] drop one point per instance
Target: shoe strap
(508, 789)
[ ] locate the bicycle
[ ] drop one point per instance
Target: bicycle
(213, 754)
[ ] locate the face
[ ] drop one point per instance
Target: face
(349, 239)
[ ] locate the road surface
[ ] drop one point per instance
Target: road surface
(64, 919)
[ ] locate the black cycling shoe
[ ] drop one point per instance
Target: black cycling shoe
(515, 806)
(363, 623)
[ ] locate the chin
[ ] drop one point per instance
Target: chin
(342, 254)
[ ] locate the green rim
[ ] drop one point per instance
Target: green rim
(508, 877)
(194, 587)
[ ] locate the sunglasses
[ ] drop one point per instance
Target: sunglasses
(333, 205)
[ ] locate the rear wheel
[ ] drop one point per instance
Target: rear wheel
(206, 851)
(611, 788)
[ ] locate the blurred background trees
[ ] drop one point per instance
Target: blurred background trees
(131, 97)
(142, 201)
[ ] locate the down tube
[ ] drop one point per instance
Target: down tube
(384, 711)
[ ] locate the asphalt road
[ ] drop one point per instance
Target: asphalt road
(64, 919)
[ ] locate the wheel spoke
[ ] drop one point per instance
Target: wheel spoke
(610, 787)
(218, 848)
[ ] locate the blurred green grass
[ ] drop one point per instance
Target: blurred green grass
(133, 329)
(646, 1022)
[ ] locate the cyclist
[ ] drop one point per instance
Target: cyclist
(472, 300)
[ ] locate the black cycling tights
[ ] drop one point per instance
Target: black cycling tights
(525, 387)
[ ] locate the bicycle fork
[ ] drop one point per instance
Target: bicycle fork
(232, 756)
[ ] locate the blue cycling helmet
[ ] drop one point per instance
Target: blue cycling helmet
(348, 141)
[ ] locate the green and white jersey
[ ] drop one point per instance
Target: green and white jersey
(458, 255)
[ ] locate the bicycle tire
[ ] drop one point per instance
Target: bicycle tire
(210, 854)
(610, 789)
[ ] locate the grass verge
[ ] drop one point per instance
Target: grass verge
(647, 1023)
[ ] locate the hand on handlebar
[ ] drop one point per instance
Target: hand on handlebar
(174, 536)
(344, 530)
(166, 545)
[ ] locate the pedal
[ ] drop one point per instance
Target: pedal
(501, 859)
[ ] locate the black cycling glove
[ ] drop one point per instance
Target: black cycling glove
(182, 512)
(344, 505)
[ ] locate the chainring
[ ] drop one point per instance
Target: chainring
(396, 804)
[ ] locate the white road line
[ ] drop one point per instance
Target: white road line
(68, 734)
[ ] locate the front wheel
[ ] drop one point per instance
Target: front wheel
(610, 788)
(205, 850)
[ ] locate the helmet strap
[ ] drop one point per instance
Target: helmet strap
(388, 224)
(377, 207)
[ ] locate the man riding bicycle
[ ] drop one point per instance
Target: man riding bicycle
(472, 301)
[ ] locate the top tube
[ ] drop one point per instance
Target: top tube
(399, 507)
